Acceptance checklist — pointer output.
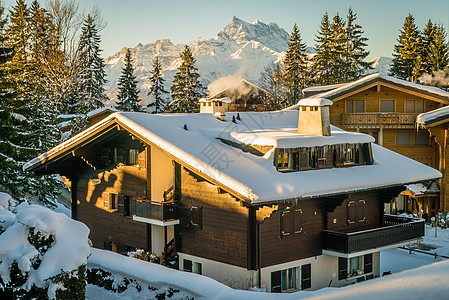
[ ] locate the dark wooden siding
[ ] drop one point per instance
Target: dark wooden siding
(107, 225)
(276, 248)
(337, 220)
(222, 234)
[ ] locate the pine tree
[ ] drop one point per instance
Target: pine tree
(337, 46)
(407, 53)
(354, 51)
(157, 88)
(437, 54)
(128, 95)
(295, 62)
(186, 89)
(8, 153)
(322, 59)
(92, 76)
(426, 39)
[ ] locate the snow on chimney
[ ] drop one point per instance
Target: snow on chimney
(314, 116)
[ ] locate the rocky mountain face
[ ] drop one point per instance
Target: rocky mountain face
(239, 50)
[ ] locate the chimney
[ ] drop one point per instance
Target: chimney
(217, 107)
(314, 116)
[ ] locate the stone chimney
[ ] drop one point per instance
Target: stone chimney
(314, 116)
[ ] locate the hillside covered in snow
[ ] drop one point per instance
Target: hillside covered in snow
(240, 49)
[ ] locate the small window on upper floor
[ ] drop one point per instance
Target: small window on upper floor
(387, 106)
(350, 155)
(414, 106)
(403, 138)
(132, 158)
(355, 106)
(285, 161)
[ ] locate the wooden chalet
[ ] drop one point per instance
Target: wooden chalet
(245, 199)
(386, 108)
(245, 95)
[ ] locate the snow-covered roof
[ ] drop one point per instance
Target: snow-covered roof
(249, 82)
(90, 114)
(434, 116)
(315, 101)
(322, 88)
(225, 100)
(425, 90)
(250, 176)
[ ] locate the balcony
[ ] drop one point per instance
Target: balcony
(376, 120)
(395, 230)
(157, 213)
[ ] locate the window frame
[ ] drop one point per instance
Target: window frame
(402, 132)
(387, 112)
(353, 106)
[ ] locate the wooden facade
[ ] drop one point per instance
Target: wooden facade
(388, 111)
(113, 168)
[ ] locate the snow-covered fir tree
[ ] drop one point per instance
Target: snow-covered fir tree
(157, 89)
(8, 153)
(34, 118)
(128, 94)
(354, 53)
(296, 66)
(426, 38)
(322, 59)
(338, 43)
(407, 61)
(186, 89)
(92, 76)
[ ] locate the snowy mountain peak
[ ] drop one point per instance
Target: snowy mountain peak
(270, 35)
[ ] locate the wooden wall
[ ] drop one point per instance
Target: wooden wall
(277, 249)
(222, 235)
(105, 224)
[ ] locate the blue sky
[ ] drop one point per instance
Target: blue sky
(130, 22)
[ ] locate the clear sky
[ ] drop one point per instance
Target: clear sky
(130, 22)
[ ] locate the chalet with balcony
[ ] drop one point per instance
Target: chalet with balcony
(249, 200)
(386, 108)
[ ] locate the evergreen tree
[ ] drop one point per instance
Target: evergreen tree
(354, 51)
(407, 53)
(8, 153)
(92, 76)
(437, 54)
(186, 89)
(426, 39)
(337, 48)
(128, 94)
(322, 59)
(157, 88)
(295, 61)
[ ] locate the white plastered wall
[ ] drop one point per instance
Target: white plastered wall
(162, 174)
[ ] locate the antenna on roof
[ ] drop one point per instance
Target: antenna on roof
(185, 127)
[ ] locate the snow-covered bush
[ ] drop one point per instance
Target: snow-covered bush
(43, 254)
(144, 255)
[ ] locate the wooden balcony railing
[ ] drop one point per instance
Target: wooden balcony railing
(395, 230)
(378, 119)
(162, 211)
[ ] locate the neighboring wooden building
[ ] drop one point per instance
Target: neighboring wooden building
(245, 96)
(386, 108)
(245, 200)
(94, 116)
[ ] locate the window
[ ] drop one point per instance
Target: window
(193, 267)
(288, 279)
(355, 106)
(119, 155)
(285, 161)
(354, 266)
(403, 138)
(197, 268)
(387, 106)
(110, 200)
(355, 211)
(350, 156)
(291, 279)
(291, 222)
(187, 265)
(414, 106)
(132, 157)
(196, 216)
(124, 205)
(422, 138)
